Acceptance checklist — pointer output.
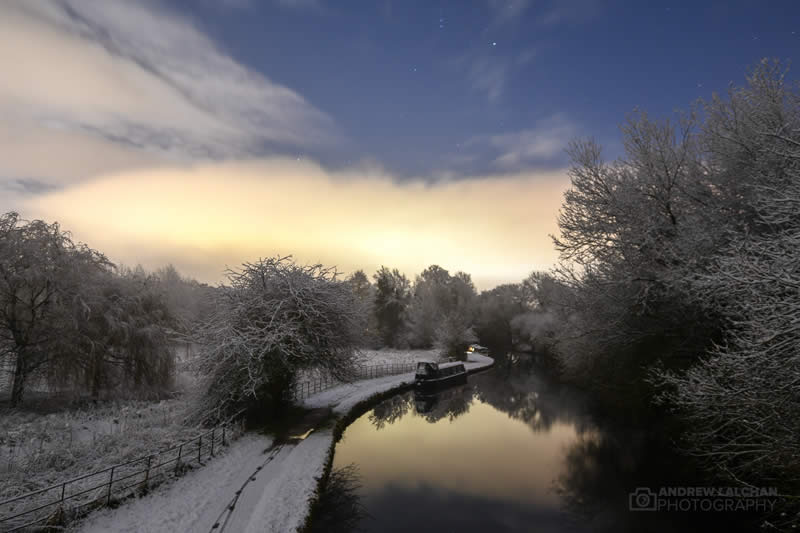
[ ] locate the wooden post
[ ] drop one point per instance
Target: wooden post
(147, 472)
(110, 482)
(63, 487)
(178, 462)
(212, 441)
(199, 447)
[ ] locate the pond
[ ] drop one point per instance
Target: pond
(511, 451)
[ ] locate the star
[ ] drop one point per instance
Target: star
(494, 43)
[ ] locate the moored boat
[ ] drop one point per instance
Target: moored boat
(477, 348)
(431, 376)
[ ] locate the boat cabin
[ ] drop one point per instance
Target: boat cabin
(431, 375)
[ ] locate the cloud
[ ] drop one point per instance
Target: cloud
(135, 75)
(300, 4)
(489, 67)
(567, 11)
(204, 217)
(506, 11)
(543, 143)
(488, 75)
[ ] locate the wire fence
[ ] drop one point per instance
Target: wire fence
(58, 504)
(304, 389)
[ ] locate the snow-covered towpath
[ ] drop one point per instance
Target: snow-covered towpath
(276, 483)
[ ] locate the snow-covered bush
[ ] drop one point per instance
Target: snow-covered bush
(274, 319)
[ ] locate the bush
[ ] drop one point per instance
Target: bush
(275, 319)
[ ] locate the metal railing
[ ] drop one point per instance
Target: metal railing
(304, 389)
(53, 505)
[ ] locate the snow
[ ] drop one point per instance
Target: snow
(391, 355)
(275, 498)
(279, 502)
(193, 502)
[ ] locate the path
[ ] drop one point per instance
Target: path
(276, 483)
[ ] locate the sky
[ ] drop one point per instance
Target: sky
(205, 133)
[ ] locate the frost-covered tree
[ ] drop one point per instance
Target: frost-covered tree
(743, 399)
(392, 293)
(690, 245)
(187, 299)
(42, 278)
(436, 295)
(496, 310)
(120, 340)
(634, 233)
(454, 335)
(273, 319)
(365, 295)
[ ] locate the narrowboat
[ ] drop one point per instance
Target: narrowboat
(431, 376)
(477, 348)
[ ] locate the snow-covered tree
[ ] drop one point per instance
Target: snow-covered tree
(634, 235)
(392, 293)
(365, 295)
(743, 399)
(454, 335)
(273, 319)
(42, 277)
(436, 295)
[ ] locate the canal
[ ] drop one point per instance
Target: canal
(511, 451)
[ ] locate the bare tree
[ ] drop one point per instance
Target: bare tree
(274, 319)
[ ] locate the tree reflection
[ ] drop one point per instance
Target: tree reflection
(515, 387)
(450, 403)
(602, 469)
(339, 508)
(390, 410)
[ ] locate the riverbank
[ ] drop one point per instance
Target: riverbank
(276, 483)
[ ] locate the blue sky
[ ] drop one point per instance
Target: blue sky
(423, 86)
(205, 133)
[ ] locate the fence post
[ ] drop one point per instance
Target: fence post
(147, 472)
(199, 447)
(212, 441)
(178, 462)
(63, 487)
(110, 482)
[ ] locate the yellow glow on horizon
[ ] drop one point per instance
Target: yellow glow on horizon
(204, 217)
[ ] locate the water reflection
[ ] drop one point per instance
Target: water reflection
(509, 451)
(339, 508)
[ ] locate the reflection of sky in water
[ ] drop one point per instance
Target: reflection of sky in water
(482, 453)
(511, 451)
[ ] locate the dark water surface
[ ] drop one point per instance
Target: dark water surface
(511, 451)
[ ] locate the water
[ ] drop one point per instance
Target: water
(510, 451)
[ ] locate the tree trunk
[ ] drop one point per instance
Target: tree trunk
(20, 374)
(96, 376)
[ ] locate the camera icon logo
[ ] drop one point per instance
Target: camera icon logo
(642, 499)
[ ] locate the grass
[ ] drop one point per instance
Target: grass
(38, 450)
